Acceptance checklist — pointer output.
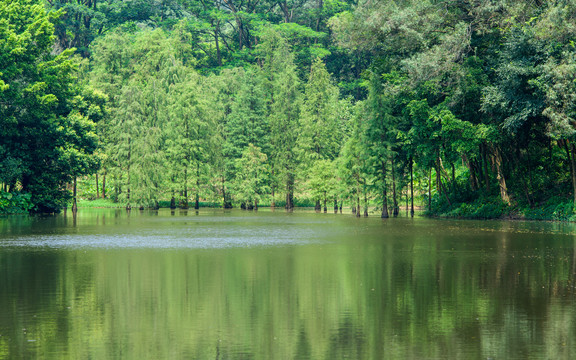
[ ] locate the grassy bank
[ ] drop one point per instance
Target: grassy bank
(492, 207)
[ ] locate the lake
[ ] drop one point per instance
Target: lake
(219, 284)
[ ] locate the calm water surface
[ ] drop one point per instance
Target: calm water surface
(270, 285)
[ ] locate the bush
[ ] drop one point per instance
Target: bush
(15, 203)
(555, 208)
(490, 207)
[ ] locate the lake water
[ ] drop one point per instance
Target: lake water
(218, 284)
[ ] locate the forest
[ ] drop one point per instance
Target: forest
(466, 108)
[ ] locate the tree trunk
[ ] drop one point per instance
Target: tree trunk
(411, 187)
(197, 197)
(573, 165)
(453, 176)
(317, 206)
(335, 205)
(74, 203)
(394, 195)
(184, 199)
(570, 153)
(128, 206)
(97, 188)
(218, 55)
(384, 194)
(273, 203)
(325, 200)
(104, 186)
(365, 204)
(430, 191)
(290, 193)
(486, 169)
(173, 201)
(500, 175)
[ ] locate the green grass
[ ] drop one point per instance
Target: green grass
(99, 203)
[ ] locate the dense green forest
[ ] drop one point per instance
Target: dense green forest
(469, 107)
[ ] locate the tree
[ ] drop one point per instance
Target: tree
(251, 182)
(283, 96)
(44, 140)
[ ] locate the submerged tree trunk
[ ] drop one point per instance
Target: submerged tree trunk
(384, 193)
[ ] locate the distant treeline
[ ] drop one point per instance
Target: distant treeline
(467, 106)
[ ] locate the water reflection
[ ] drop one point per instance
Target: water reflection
(291, 286)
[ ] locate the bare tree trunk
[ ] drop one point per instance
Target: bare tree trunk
(325, 200)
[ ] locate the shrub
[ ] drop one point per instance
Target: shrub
(15, 203)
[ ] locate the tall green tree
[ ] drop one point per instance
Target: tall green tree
(44, 140)
(283, 94)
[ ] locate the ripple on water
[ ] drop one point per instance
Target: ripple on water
(155, 240)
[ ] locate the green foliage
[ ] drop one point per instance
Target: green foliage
(482, 208)
(46, 138)
(252, 177)
(555, 208)
(15, 203)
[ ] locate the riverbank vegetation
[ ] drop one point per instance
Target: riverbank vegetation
(465, 107)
